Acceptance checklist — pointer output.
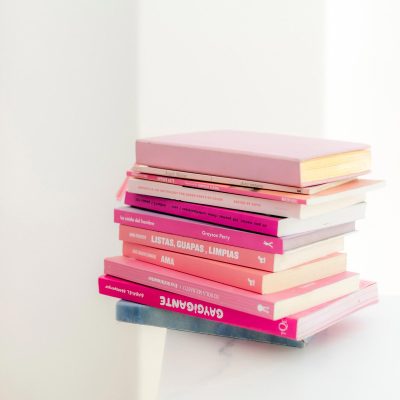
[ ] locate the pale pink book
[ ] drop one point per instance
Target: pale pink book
(263, 157)
(246, 278)
(242, 202)
(271, 306)
(297, 326)
(351, 188)
(145, 169)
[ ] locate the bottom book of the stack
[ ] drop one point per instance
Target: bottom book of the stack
(140, 314)
(298, 326)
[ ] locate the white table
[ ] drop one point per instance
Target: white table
(359, 358)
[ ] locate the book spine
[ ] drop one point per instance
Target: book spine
(202, 231)
(199, 248)
(217, 187)
(221, 216)
(130, 291)
(217, 199)
(228, 274)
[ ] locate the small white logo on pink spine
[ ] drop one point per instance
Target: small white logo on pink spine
(283, 326)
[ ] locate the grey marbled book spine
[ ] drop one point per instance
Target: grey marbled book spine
(145, 315)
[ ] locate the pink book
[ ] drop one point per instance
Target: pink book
(218, 234)
(253, 222)
(231, 254)
(271, 306)
(297, 326)
(351, 188)
(245, 278)
(262, 157)
(233, 181)
(240, 202)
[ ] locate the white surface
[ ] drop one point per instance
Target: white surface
(67, 78)
(356, 359)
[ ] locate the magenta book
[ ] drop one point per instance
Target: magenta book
(218, 234)
(264, 157)
(253, 222)
(271, 306)
(297, 326)
(266, 224)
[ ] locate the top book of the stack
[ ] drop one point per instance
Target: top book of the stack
(253, 156)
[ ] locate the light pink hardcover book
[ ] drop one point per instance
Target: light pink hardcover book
(271, 306)
(264, 157)
(241, 202)
(218, 234)
(354, 187)
(231, 254)
(246, 278)
(297, 326)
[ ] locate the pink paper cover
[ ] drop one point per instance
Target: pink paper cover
(233, 275)
(346, 189)
(264, 157)
(204, 289)
(265, 224)
(198, 230)
(287, 327)
(200, 248)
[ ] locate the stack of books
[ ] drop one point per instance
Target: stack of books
(244, 229)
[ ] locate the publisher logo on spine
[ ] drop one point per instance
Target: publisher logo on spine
(283, 326)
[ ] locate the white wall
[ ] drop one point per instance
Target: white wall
(362, 103)
(206, 64)
(67, 78)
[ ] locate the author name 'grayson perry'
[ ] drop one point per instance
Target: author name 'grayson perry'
(198, 248)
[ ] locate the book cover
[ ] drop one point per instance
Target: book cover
(264, 157)
(246, 278)
(317, 318)
(271, 306)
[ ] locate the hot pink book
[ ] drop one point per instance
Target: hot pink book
(218, 234)
(271, 306)
(297, 326)
(253, 222)
(246, 278)
(262, 157)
